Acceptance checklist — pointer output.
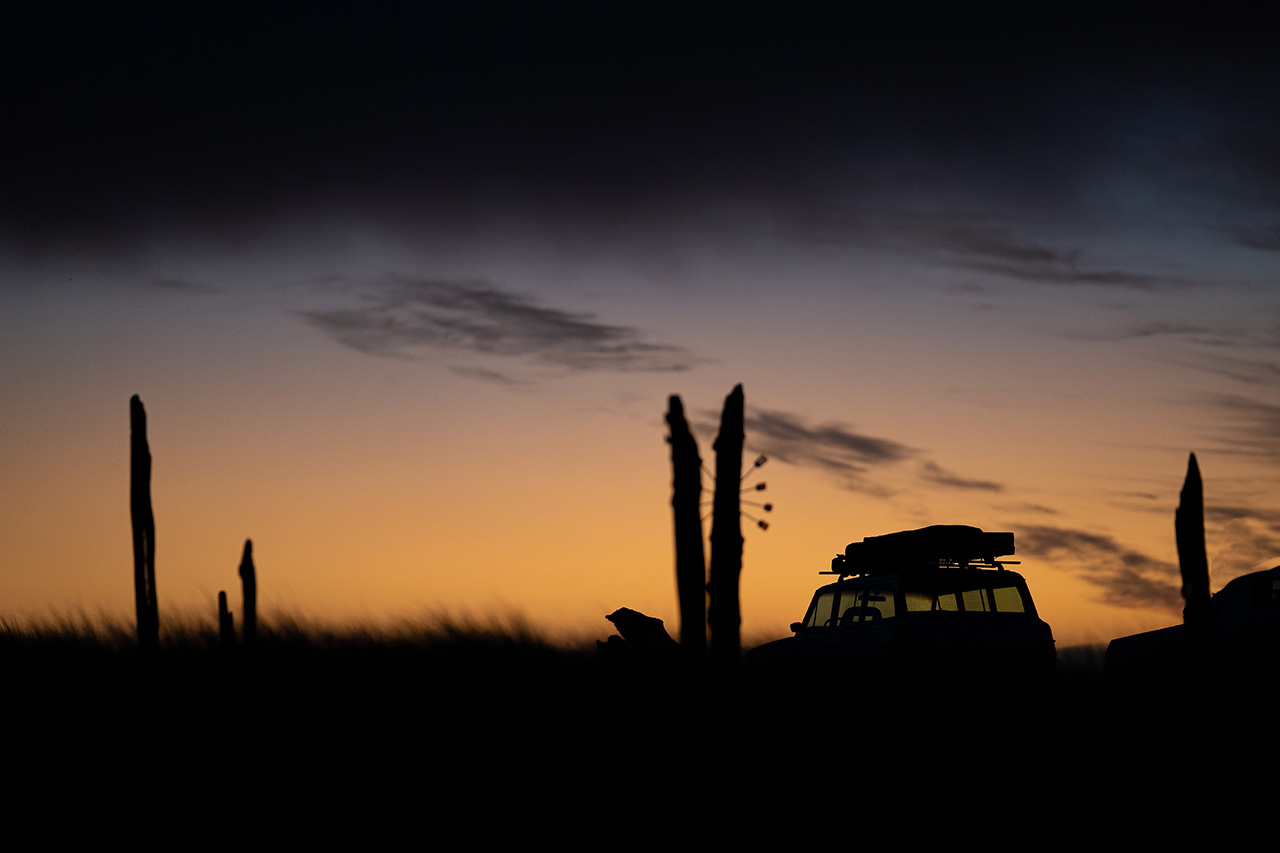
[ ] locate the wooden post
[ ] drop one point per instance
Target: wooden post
(691, 561)
(249, 591)
(726, 534)
(144, 528)
(226, 625)
(1193, 560)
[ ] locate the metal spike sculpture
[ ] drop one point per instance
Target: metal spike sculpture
(249, 588)
(1192, 558)
(691, 561)
(144, 528)
(724, 615)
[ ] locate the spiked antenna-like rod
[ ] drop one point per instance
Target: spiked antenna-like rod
(691, 560)
(1192, 559)
(144, 528)
(249, 588)
(760, 460)
(726, 534)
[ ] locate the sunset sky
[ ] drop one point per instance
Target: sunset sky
(405, 298)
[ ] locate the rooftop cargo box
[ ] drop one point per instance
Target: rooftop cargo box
(941, 544)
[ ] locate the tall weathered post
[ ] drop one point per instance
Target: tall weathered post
(691, 561)
(144, 528)
(249, 589)
(1192, 558)
(226, 624)
(726, 534)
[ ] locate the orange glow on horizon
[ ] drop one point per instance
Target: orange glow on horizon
(362, 536)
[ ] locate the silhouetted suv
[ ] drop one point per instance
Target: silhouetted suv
(934, 596)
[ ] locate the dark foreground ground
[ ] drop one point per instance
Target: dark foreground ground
(484, 740)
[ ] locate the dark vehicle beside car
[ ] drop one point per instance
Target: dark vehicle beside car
(938, 596)
(1242, 628)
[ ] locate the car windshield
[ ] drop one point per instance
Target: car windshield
(863, 603)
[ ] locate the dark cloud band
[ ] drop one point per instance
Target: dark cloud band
(1124, 577)
(850, 456)
(399, 315)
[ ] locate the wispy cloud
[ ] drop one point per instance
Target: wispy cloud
(1247, 371)
(1203, 333)
(183, 285)
(832, 445)
(841, 451)
(1243, 539)
(1241, 352)
(1265, 239)
(934, 473)
(991, 249)
(995, 249)
(1029, 509)
(1124, 577)
(1251, 426)
(1265, 336)
(486, 375)
(1226, 513)
(398, 315)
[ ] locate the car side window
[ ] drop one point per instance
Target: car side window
(850, 606)
(873, 599)
(917, 601)
(879, 602)
(868, 603)
(821, 614)
(1008, 600)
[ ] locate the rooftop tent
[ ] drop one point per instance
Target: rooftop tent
(928, 546)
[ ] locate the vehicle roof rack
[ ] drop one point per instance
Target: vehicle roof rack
(953, 546)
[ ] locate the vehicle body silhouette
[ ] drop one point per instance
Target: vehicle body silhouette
(937, 596)
(1242, 627)
(1237, 627)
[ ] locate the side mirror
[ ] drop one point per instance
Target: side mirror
(797, 627)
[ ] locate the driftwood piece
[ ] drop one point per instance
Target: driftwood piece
(1192, 557)
(724, 615)
(226, 625)
(144, 528)
(642, 630)
(249, 590)
(643, 638)
(691, 561)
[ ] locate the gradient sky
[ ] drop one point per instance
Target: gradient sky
(405, 296)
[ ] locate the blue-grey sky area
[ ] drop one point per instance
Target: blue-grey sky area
(1011, 260)
(992, 140)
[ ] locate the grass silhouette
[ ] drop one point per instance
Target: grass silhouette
(489, 730)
